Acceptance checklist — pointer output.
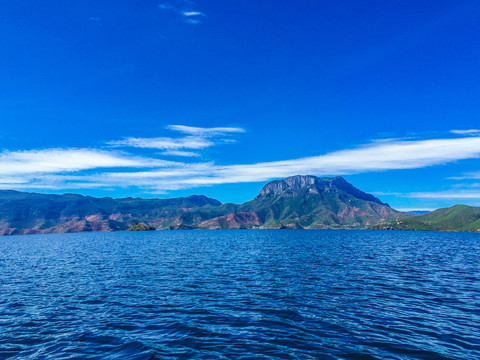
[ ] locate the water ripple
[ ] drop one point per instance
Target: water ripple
(240, 295)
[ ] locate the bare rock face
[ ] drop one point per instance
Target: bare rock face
(290, 186)
(291, 183)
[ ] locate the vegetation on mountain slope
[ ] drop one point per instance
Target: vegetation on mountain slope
(455, 218)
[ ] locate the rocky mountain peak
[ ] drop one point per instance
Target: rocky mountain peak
(293, 184)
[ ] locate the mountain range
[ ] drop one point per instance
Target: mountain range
(294, 202)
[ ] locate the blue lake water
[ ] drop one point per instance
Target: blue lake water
(279, 294)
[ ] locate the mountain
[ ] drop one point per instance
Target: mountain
(294, 202)
(31, 213)
(455, 218)
(308, 202)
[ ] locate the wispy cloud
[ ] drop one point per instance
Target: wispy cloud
(184, 9)
(54, 167)
(197, 138)
(164, 143)
(180, 153)
(206, 132)
(459, 191)
(67, 160)
(373, 157)
(449, 194)
(36, 169)
(192, 13)
(386, 193)
(470, 132)
(465, 176)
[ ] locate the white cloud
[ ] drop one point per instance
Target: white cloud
(197, 138)
(385, 193)
(192, 13)
(449, 194)
(66, 160)
(180, 153)
(376, 156)
(471, 132)
(205, 132)
(192, 16)
(164, 143)
(49, 168)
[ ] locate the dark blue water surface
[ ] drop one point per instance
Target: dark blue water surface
(285, 294)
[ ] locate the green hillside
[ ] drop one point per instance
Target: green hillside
(455, 218)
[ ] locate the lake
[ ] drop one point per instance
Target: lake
(241, 294)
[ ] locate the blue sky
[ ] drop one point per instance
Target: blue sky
(172, 98)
